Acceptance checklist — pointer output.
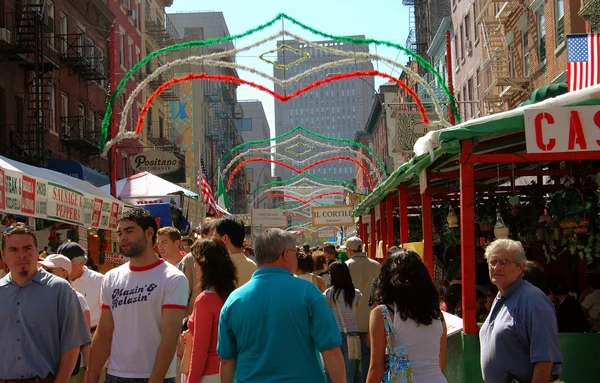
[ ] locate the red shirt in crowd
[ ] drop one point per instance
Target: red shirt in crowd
(204, 325)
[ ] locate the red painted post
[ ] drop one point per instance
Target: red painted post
(403, 213)
(427, 219)
(389, 214)
(360, 227)
(373, 241)
(467, 238)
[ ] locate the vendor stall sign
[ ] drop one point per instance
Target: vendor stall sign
(327, 233)
(269, 217)
(115, 258)
(114, 215)
(562, 130)
(2, 191)
(149, 200)
(332, 215)
(65, 204)
(155, 162)
(22, 195)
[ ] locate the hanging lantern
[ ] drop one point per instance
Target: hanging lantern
(452, 217)
(500, 230)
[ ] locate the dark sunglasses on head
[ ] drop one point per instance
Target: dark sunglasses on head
(11, 228)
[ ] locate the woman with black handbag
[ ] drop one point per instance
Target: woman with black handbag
(343, 299)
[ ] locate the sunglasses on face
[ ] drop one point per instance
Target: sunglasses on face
(11, 228)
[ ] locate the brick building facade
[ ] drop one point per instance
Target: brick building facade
(53, 80)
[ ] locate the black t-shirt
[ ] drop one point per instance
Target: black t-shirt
(570, 316)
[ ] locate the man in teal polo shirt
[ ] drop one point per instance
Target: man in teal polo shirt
(273, 328)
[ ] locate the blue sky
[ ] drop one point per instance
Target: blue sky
(382, 20)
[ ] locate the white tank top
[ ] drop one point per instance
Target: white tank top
(423, 346)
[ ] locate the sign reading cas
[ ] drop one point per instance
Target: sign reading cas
(269, 217)
(155, 162)
(562, 130)
(332, 215)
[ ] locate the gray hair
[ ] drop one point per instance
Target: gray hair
(509, 246)
(270, 244)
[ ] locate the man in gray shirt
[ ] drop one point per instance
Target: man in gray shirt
(42, 327)
(519, 339)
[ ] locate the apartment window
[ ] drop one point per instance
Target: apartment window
(541, 35)
(80, 40)
(129, 52)
(471, 103)
(52, 111)
(161, 123)
(49, 21)
(475, 29)
(559, 13)
(63, 30)
(149, 121)
(511, 60)
(137, 55)
(468, 28)
(122, 49)
(64, 108)
(525, 43)
(456, 58)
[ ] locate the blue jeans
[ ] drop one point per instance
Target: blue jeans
(116, 379)
(350, 364)
(365, 358)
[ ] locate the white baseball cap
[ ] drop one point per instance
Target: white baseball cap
(56, 260)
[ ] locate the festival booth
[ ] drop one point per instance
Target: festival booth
(172, 204)
(531, 174)
(57, 205)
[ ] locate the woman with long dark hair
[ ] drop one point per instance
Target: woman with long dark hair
(217, 275)
(408, 294)
(343, 299)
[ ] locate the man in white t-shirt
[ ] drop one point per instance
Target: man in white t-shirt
(84, 281)
(143, 305)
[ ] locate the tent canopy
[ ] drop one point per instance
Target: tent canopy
(146, 184)
(54, 176)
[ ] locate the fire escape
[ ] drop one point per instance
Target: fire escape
(160, 132)
(25, 40)
(502, 84)
(221, 129)
(84, 58)
(590, 11)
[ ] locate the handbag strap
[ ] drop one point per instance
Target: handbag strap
(337, 306)
(387, 323)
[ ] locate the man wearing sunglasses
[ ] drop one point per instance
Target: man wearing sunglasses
(32, 299)
(519, 338)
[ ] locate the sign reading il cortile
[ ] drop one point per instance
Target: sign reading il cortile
(155, 162)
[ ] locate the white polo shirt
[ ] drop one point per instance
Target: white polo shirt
(89, 285)
(136, 298)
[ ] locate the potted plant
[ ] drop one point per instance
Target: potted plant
(485, 215)
(570, 209)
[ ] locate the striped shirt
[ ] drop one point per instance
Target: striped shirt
(347, 311)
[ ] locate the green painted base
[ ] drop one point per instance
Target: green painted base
(580, 354)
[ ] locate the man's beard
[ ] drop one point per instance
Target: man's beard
(136, 249)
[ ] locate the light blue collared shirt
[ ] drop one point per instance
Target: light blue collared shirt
(39, 321)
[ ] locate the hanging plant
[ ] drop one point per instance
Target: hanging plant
(485, 215)
(103, 244)
(8, 219)
(73, 234)
(570, 209)
(54, 239)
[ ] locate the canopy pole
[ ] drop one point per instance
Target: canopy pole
(403, 212)
(390, 222)
(451, 116)
(427, 223)
(372, 244)
(112, 156)
(467, 238)
(383, 226)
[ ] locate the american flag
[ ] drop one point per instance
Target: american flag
(583, 66)
(206, 192)
(206, 175)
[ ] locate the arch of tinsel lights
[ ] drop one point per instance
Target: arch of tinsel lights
(299, 188)
(214, 59)
(355, 56)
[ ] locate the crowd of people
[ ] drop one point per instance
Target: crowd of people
(215, 310)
